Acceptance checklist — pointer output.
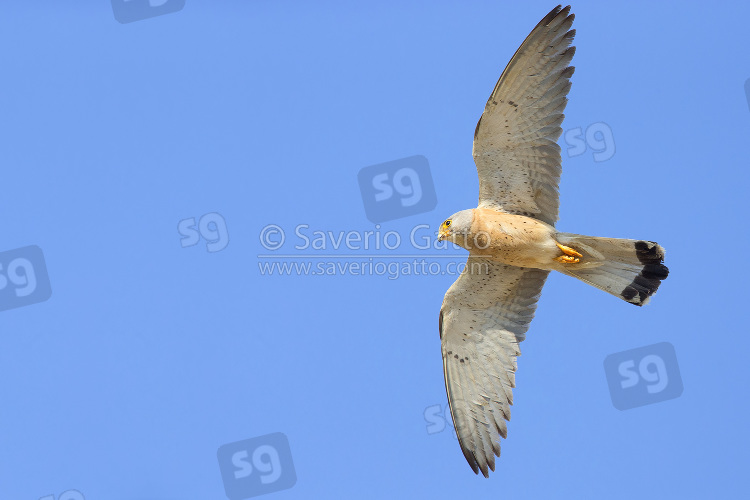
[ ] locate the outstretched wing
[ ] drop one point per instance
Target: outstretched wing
(485, 315)
(515, 142)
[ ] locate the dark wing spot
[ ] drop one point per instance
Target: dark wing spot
(440, 324)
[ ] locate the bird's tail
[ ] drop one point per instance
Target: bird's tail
(629, 269)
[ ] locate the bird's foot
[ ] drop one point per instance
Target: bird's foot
(570, 256)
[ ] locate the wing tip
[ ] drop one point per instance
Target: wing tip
(470, 459)
(485, 465)
(550, 16)
(555, 13)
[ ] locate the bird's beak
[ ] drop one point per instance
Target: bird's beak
(443, 234)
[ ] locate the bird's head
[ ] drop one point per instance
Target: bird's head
(457, 227)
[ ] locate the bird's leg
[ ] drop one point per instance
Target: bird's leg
(570, 256)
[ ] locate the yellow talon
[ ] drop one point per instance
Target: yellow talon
(570, 257)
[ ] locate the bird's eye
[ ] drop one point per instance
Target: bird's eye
(447, 223)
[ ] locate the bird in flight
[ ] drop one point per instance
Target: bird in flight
(513, 244)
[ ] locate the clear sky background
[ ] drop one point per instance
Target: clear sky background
(149, 356)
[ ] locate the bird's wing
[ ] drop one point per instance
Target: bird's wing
(515, 142)
(484, 316)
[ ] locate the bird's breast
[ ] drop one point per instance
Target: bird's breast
(513, 239)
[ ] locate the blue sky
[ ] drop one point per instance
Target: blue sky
(155, 350)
